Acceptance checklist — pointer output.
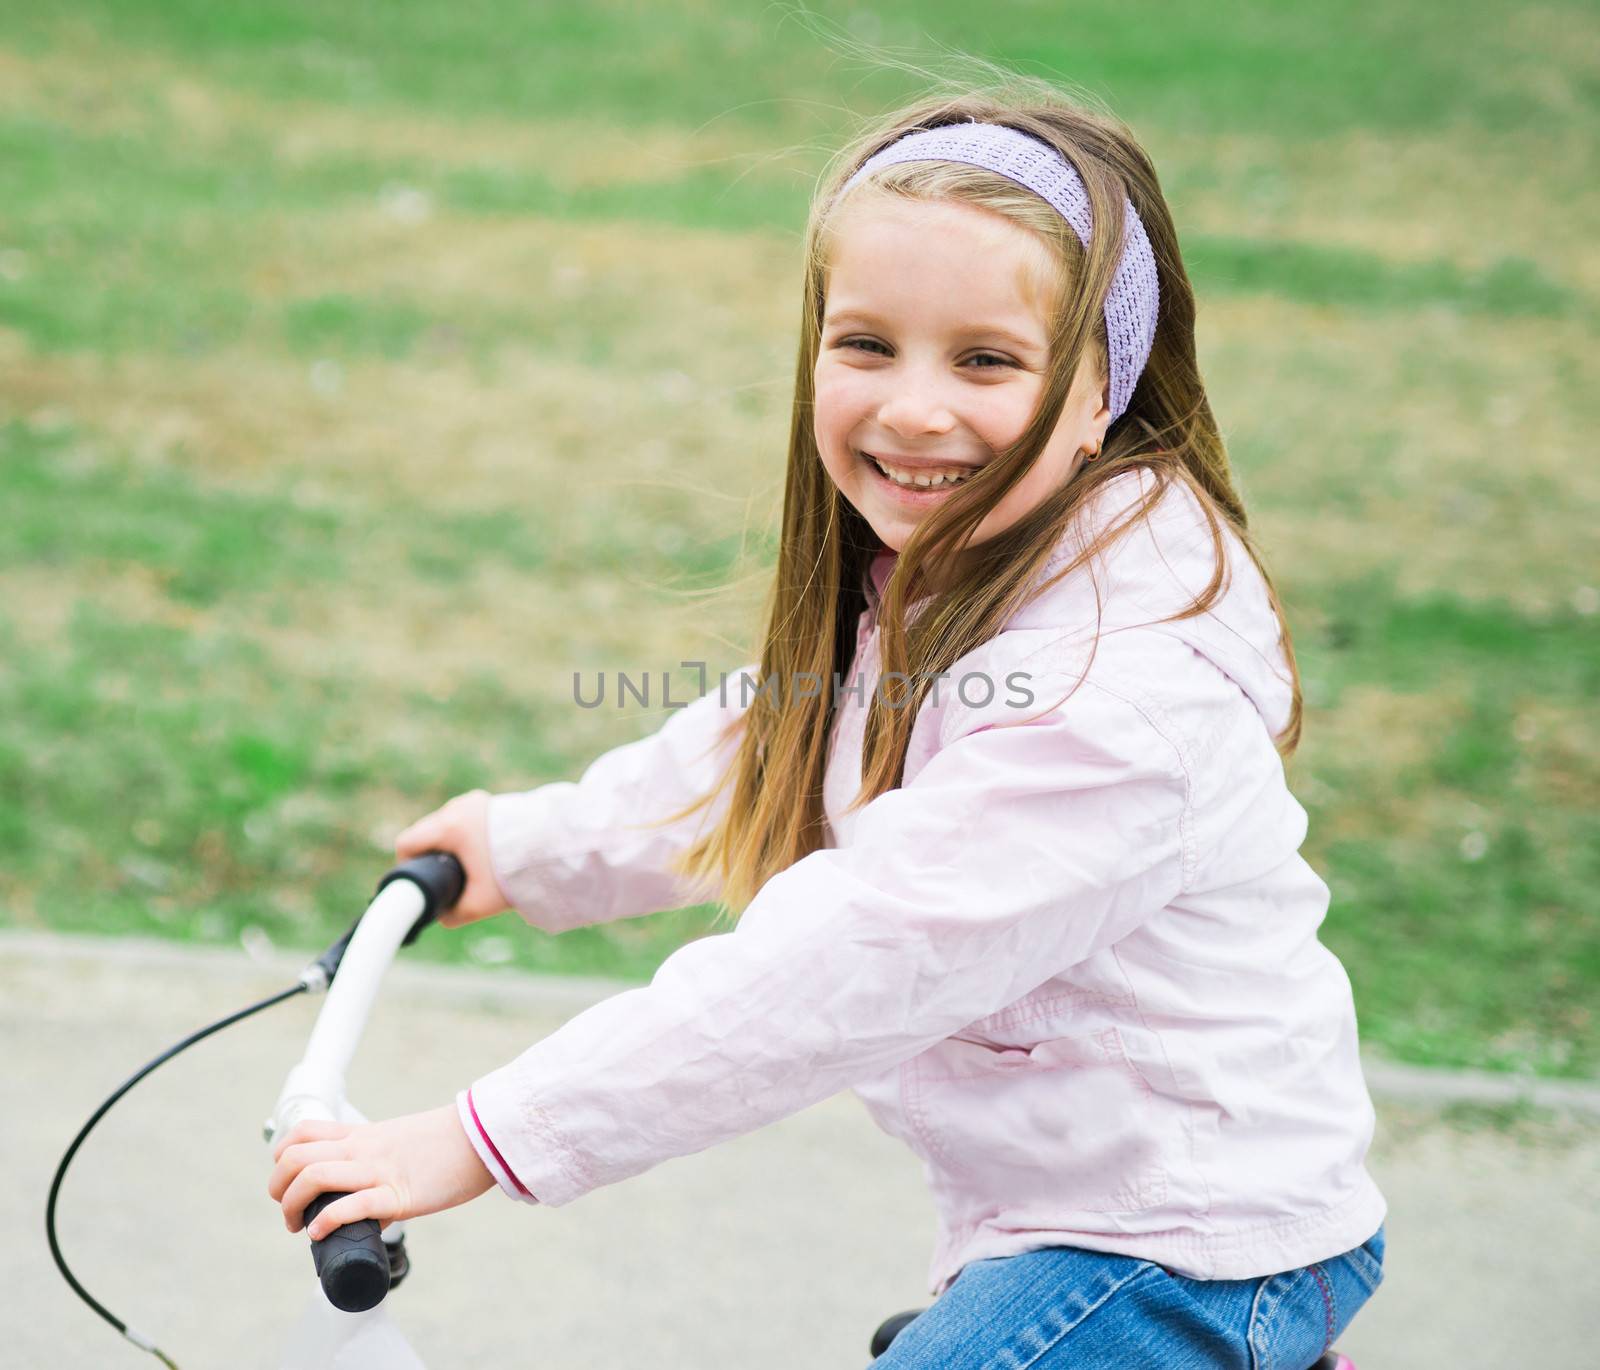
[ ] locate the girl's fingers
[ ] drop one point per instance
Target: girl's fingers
(418, 838)
(313, 1130)
(323, 1177)
(460, 827)
(364, 1203)
(297, 1158)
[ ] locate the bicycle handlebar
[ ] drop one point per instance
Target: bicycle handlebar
(352, 1262)
(440, 877)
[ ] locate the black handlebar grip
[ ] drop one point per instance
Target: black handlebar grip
(441, 879)
(351, 1261)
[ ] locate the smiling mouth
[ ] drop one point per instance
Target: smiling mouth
(906, 479)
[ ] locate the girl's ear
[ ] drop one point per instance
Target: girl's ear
(1102, 416)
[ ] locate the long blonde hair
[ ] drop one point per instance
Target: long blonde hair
(775, 816)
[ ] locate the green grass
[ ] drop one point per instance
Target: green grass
(1511, 288)
(313, 503)
(1339, 65)
(1470, 925)
(173, 781)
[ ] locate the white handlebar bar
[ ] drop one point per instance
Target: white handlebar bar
(314, 1089)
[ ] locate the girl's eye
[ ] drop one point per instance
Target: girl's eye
(990, 360)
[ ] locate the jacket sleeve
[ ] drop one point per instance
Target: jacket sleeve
(1016, 851)
(572, 853)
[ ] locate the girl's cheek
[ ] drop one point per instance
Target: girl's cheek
(840, 391)
(1001, 418)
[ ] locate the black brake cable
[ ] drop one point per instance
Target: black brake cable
(138, 1338)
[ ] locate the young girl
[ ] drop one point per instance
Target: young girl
(1002, 804)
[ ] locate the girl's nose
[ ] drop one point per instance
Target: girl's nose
(915, 412)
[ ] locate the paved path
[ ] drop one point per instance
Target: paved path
(780, 1250)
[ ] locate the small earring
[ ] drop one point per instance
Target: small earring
(1092, 456)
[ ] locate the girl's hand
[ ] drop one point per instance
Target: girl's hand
(403, 1168)
(461, 827)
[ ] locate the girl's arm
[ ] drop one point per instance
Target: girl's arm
(1014, 853)
(568, 854)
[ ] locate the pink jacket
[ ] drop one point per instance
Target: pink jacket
(1072, 962)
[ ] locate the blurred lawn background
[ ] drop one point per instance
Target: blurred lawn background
(366, 370)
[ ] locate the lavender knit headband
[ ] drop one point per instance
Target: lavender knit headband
(1132, 301)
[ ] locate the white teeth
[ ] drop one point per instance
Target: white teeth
(919, 481)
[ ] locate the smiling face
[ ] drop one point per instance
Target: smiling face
(934, 354)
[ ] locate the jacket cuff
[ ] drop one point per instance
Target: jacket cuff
(529, 1149)
(487, 1151)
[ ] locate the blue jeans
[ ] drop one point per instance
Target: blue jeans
(1061, 1307)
